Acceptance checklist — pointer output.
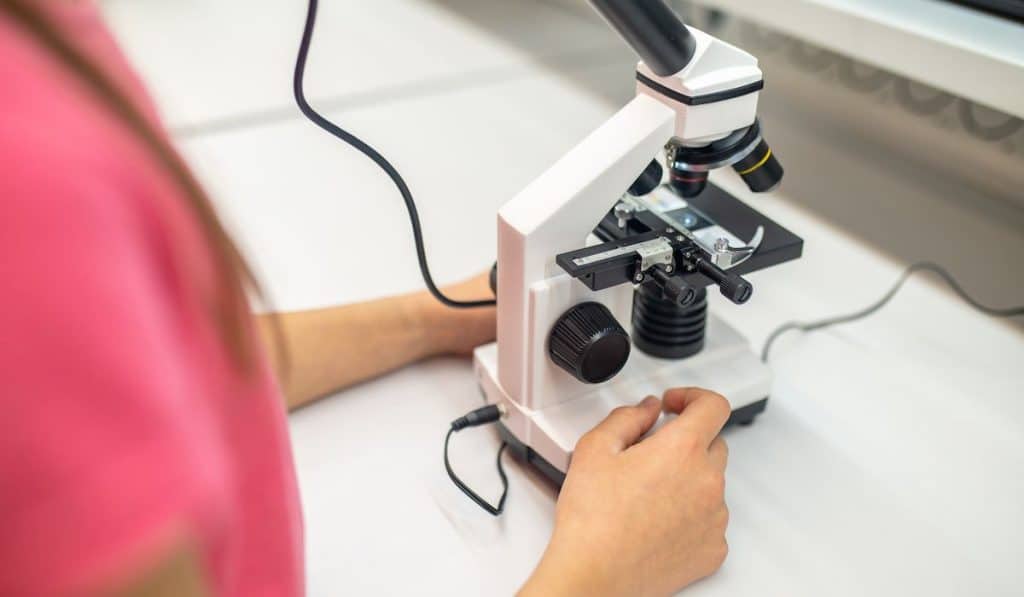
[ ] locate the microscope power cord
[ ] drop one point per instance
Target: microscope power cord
(921, 266)
(376, 157)
(481, 416)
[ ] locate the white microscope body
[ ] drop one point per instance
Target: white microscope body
(546, 408)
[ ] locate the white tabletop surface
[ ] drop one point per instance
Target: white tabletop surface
(890, 460)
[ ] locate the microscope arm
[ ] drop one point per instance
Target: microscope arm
(557, 212)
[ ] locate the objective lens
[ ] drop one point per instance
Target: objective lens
(760, 170)
(648, 180)
(686, 183)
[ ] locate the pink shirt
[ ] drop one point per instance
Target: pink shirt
(125, 424)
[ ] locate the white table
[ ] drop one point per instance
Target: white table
(890, 461)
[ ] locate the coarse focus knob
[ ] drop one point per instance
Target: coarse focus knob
(589, 343)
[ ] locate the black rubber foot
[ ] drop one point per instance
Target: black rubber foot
(746, 415)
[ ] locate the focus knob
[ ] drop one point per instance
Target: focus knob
(589, 343)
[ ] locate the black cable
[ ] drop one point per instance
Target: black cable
(874, 307)
(381, 161)
(480, 416)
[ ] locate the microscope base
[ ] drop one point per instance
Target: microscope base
(545, 437)
(744, 416)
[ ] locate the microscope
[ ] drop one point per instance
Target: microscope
(604, 262)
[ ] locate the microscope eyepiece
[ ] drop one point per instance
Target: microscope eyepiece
(759, 169)
(654, 32)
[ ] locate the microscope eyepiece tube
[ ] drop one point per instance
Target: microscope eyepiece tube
(653, 30)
